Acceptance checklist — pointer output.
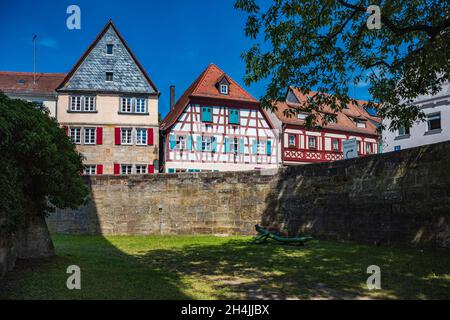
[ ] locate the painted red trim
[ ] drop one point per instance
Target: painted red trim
(347, 133)
(99, 135)
(150, 136)
(116, 168)
(99, 169)
(66, 129)
(117, 138)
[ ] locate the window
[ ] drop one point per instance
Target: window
(89, 103)
(261, 147)
(90, 169)
(368, 148)
(89, 135)
(109, 76)
(206, 143)
(126, 169)
(126, 105)
(109, 48)
(402, 131)
(141, 169)
(75, 135)
(234, 145)
(312, 142)
(141, 136)
(181, 143)
(82, 103)
(302, 116)
(224, 89)
(335, 144)
(140, 105)
(75, 103)
(360, 123)
(125, 135)
(434, 121)
(291, 140)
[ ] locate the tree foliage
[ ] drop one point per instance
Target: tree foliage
(327, 46)
(40, 166)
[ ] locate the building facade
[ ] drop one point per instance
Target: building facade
(39, 88)
(217, 126)
(109, 108)
(299, 145)
(435, 128)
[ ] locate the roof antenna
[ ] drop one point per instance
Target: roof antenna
(34, 64)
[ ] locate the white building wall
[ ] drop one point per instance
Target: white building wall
(419, 134)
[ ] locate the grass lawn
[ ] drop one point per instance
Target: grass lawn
(206, 267)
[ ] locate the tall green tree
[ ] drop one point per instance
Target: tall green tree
(41, 168)
(330, 45)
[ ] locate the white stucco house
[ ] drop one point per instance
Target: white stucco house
(435, 128)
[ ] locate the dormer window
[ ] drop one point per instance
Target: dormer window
(109, 76)
(224, 89)
(109, 49)
(302, 115)
(360, 123)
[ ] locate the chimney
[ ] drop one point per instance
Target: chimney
(172, 97)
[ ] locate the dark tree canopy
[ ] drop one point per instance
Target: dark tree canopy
(40, 165)
(327, 46)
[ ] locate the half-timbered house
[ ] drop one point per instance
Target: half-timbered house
(299, 145)
(217, 126)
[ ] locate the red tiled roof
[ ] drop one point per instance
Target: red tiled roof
(205, 86)
(344, 117)
(22, 82)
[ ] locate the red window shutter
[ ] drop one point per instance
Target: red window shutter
(99, 169)
(151, 168)
(117, 136)
(150, 136)
(66, 129)
(99, 135)
(116, 168)
(297, 144)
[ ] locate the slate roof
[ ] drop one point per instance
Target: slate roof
(205, 86)
(344, 118)
(22, 82)
(89, 73)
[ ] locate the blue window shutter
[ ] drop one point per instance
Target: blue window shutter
(225, 145)
(255, 147)
(189, 143)
(269, 147)
(172, 142)
(206, 114)
(241, 146)
(234, 116)
(213, 144)
(171, 170)
(199, 143)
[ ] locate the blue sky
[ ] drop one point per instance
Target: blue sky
(173, 39)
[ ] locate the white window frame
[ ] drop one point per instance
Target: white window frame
(312, 138)
(368, 148)
(126, 104)
(140, 105)
(128, 169)
(141, 136)
(261, 147)
(333, 140)
(434, 116)
(91, 137)
(206, 144)
(76, 103)
(234, 145)
(126, 136)
(90, 169)
(181, 143)
(89, 103)
(75, 134)
(141, 169)
(224, 89)
(291, 143)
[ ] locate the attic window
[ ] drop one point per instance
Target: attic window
(302, 116)
(21, 81)
(109, 49)
(109, 76)
(224, 89)
(360, 123)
